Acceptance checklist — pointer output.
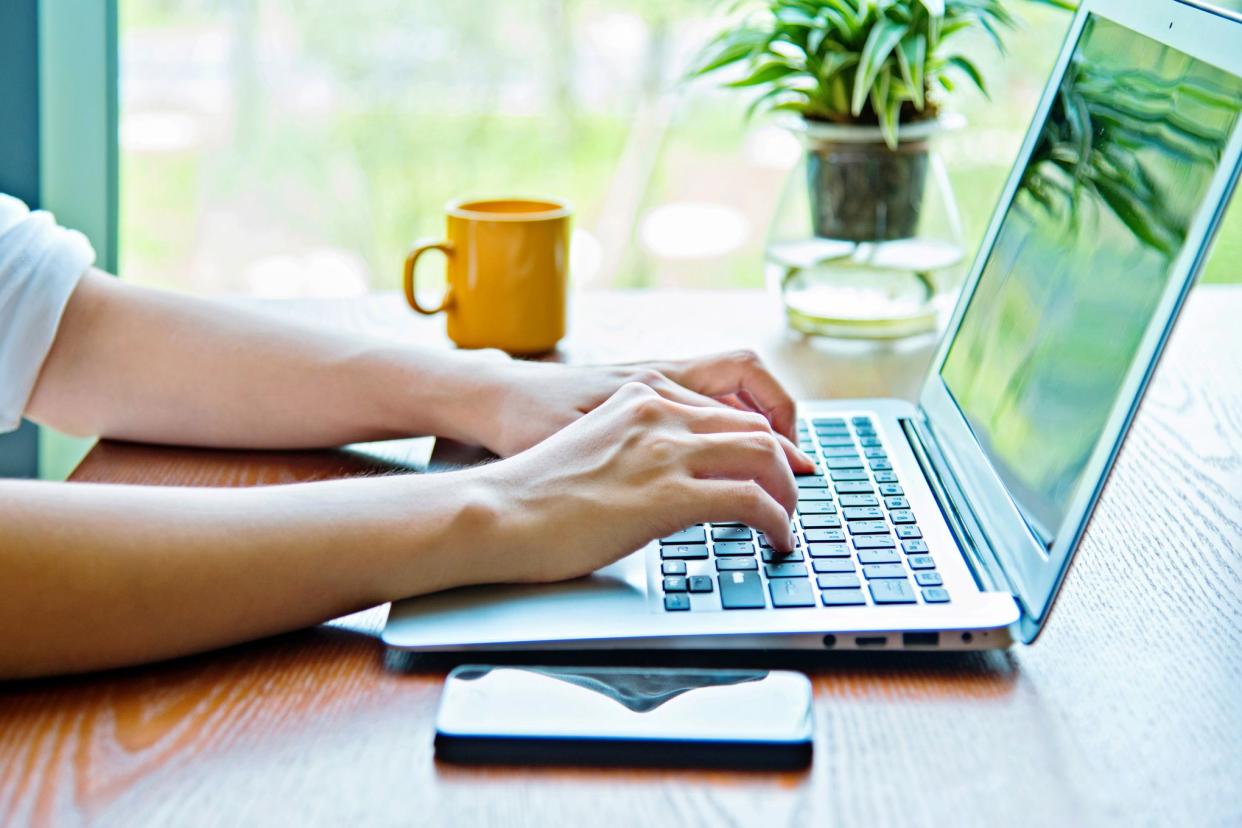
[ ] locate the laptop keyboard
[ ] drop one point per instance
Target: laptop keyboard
(857, 541)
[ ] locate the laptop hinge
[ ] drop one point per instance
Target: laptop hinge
(970, 537)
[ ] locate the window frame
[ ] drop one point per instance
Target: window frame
(60, 154)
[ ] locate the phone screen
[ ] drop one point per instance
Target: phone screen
(624, 715)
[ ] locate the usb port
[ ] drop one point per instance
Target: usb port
(921, 639)
(871, 640)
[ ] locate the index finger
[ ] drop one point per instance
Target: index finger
(744, 375)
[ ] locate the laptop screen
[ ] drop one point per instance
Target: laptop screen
(1083, 254)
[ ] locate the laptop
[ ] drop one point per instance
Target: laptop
(950, 523)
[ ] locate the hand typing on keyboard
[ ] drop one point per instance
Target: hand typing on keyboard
(638, 467)
(533, 400)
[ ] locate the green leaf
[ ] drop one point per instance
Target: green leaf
(765, 73)
(734, 47)
(1064, 5)
(852, 14)
(934, 7)
(836, 63)
(912, 57)
(971, 71)
(885, 35)
(793, 16)
(767, 99)
(887, 108)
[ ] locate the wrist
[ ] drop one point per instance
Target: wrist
(453, 394)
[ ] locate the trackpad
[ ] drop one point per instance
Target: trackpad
(581, 608)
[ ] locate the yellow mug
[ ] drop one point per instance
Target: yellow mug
(508, 273)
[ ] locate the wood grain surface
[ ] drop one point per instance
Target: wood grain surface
(1126, 712)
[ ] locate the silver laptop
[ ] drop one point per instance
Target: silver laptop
(951, 523)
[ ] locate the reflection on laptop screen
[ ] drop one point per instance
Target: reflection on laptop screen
(1084, 252)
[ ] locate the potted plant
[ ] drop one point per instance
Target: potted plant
(867, 241)
(862, 76)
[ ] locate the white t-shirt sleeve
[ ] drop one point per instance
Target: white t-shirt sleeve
(40, 265)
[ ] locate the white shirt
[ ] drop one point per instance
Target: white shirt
(40, 265)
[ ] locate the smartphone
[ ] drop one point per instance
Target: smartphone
(741, 719)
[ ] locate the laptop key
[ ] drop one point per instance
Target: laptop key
(785, 570)
(741, 590)
(849, 475)
(876, 572)
(828, 441)
(908, 531)
(891, 490)
(875, 453)
(852, 461)
(928, 579)
(868, 442)
(810, 481)
(673, 568)
(675, 584)
(700, 583)
(885, 477)
(854, 500)
(677, 603)
(684, 552)
(823, 535)
(832, 565)
(873, 541)
(839, 581)
(839, 451)
(691, 534)
(842, 597)
(921, 562)
(914, 547)
(862, 513)
(891, 592)
(880, 465)
(817, 507)
(767, 544)
(828, 550)
(936, 595)
(728, 548)
(819, 422)
(791, 592)
(901, 516)
(772, 556)
(821, 522)
(814, 494)
(848, 487)
(878, 556)
(736, 564)
(896, 503)
(730, 533)
(868, 527)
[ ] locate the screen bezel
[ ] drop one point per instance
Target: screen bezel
(1035, 571)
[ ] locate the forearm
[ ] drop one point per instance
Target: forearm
(94, 576)
(144, 365)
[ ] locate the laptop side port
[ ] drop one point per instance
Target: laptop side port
(920, 639)
(870, 641)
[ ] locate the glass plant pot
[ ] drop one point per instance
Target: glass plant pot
(867, 241)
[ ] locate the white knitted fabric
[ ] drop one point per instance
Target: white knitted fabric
(40, 265)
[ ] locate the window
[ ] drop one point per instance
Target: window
(290, 148)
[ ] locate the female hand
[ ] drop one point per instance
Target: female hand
(638, 467)
(529, 401)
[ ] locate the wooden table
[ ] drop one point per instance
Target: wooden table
(1127, 711)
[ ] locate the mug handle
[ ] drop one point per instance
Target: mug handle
(411, 261)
